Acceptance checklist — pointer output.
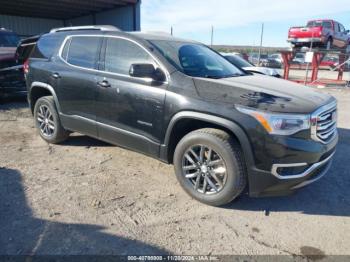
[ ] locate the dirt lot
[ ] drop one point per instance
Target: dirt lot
(87, 197)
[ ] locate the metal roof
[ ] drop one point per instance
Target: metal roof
(59, 9)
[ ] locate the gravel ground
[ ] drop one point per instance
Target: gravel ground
(87, 197)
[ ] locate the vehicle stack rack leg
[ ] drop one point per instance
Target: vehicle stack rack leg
(287, 57)
(316, 61)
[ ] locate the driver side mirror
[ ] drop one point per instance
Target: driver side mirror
(347, 32)
(147, 71)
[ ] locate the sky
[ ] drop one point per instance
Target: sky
(238, 22)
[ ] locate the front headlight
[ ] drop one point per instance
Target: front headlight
(278, 124)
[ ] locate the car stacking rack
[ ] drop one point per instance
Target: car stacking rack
(317, 56)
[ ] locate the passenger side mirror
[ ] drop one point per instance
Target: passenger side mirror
(147, 71)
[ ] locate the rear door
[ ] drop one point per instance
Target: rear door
(76, 82)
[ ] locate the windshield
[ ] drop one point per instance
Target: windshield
(196, 60)
(326, 24)
(238, 61)
(8, 40)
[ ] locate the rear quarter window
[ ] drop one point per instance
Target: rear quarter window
(47, 46)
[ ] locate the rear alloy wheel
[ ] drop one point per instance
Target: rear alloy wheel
(47, 121)
(210, 167)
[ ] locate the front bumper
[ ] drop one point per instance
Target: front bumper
(310, 165)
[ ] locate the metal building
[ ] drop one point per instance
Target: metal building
(33, 17)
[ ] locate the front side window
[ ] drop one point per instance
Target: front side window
(82, 51)
(121, 54)
(195, 59)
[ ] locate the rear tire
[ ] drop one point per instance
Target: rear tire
(329, 44)
(347, 50)
(48, 122)
(210, 167)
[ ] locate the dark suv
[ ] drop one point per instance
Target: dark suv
(182, 103)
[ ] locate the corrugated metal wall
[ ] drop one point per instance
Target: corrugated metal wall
(122, 18)
(126, 18)
(27, 26)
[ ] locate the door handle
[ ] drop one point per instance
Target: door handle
(104, 84)
(56, 75)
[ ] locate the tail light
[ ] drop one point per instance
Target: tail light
(26, 67)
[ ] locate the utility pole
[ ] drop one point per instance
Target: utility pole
(261, 42)
(171, 31)
(212, 36)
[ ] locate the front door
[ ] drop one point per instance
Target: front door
(129, 110)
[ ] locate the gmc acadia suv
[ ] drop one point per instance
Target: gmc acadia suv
(184, 104)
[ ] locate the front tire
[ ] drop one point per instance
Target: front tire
(47, 121)
(210, 167)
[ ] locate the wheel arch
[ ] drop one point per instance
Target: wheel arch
(187, 121)
(40, 89)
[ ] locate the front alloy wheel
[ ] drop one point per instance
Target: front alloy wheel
(204, 169)
(210, 167)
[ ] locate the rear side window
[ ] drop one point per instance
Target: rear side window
(336, 27)
(121, 54)
(327, 24)
(82, 51)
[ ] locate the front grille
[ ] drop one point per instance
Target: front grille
(324, 123)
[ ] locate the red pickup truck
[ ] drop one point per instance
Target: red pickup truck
(321, 33)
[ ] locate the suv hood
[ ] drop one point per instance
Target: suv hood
(262, 92)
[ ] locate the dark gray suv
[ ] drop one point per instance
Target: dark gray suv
(184, 104)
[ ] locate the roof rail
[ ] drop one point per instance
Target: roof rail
(88, 27)
(157, 33)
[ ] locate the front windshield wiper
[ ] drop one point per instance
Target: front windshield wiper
(225, 76)
(212, 77)
(233, 75)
